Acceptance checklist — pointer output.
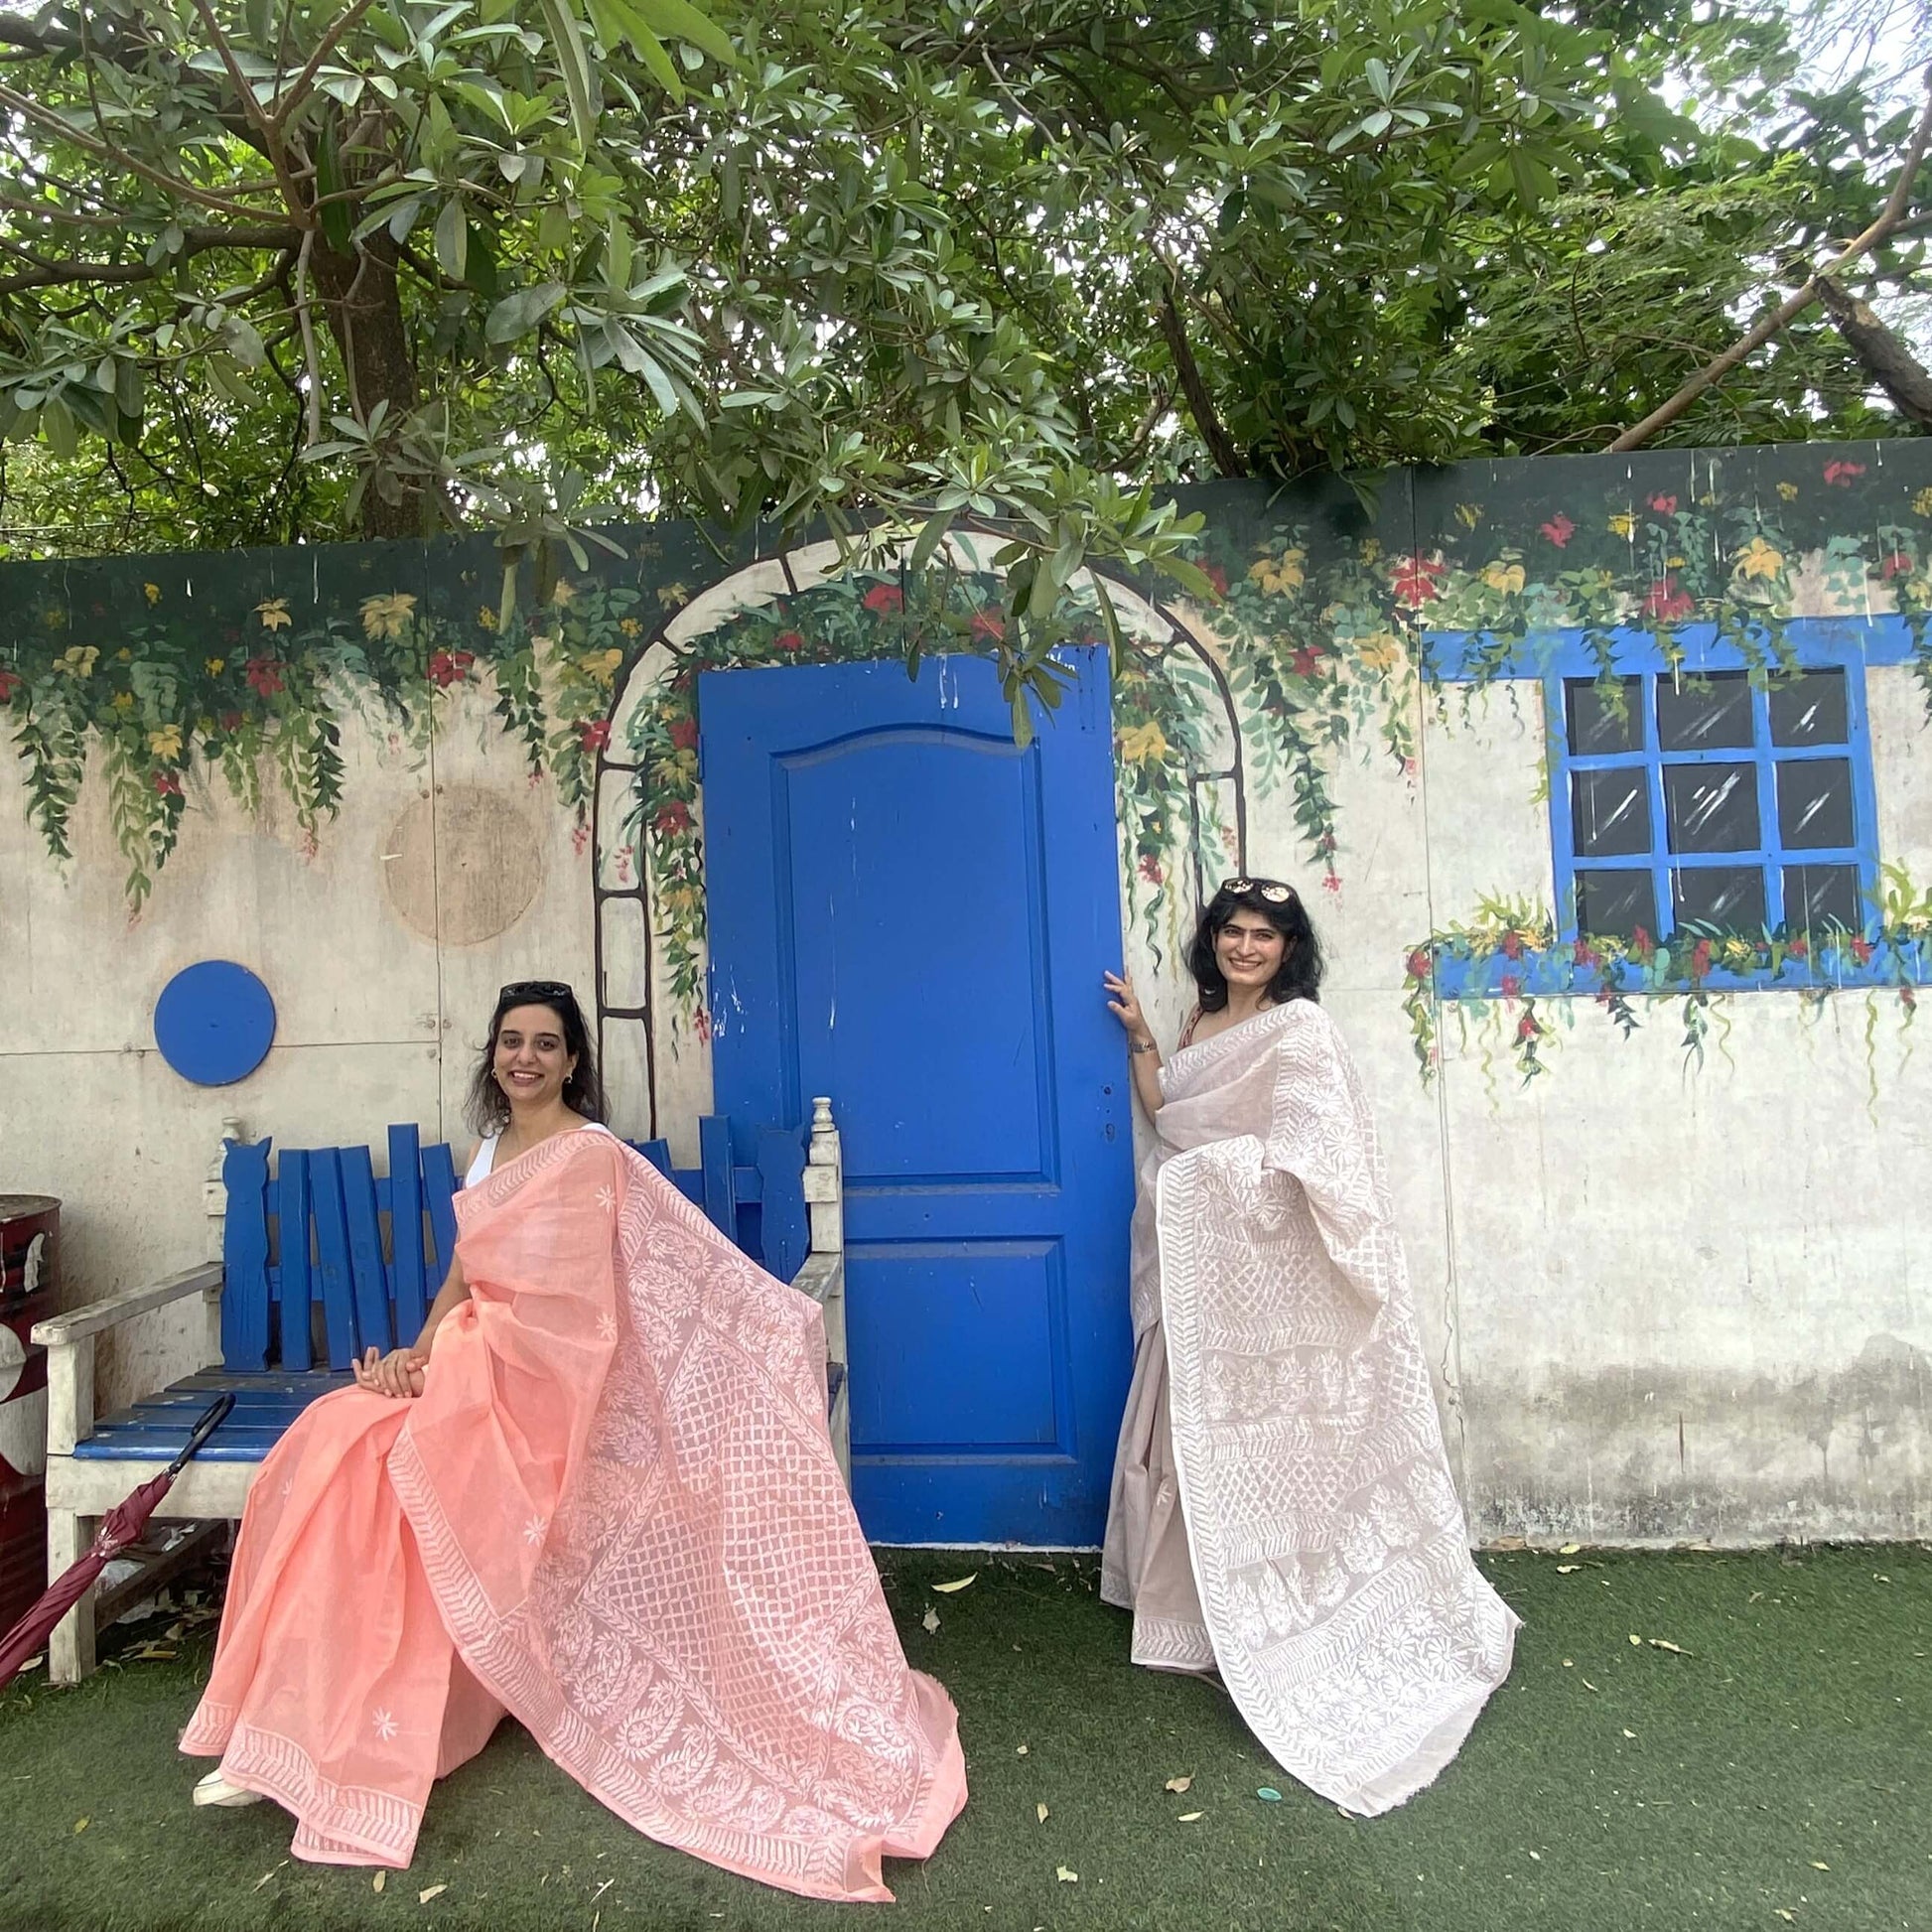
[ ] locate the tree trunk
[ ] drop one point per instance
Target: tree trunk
(363, 308)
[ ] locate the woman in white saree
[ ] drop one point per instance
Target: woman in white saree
(1281, 1507)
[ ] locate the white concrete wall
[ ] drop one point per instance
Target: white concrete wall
(1660, 1304)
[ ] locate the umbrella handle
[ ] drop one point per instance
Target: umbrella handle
(213, 1417)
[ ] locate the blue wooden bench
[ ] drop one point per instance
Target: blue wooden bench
(284, 1320)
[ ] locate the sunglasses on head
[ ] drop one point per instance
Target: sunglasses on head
(1258, 887)
(543, 990)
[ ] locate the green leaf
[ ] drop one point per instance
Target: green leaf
(929, 540)
(332, 187)
(453, 239)
(679, 20)
(574, 62)
(58, 428)
(521, 311)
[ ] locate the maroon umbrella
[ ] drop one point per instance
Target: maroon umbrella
(118, 1528)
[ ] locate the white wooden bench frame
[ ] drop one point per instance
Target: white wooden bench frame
(82, 1490)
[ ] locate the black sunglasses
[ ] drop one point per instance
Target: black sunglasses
(544, 991)
(1275, 895)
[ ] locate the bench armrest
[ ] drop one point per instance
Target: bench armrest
(820, 1277)
(112, 1310)
(69, 1343)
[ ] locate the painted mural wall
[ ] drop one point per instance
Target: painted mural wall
(1608, 784)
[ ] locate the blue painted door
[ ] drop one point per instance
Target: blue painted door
(911, 914)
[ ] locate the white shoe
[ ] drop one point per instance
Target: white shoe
(214, 1789)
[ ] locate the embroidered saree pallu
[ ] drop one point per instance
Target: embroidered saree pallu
(614, 1512)
(1283, 1508)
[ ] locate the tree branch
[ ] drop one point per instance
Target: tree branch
(25, 104)
(1890, 218)
(1200, 404)
(198, 241)
(297, 93)
(270, 127)
(1883, 356)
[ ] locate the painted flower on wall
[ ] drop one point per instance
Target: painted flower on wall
(1667, 603)
(1412, 579)
(274, 614)
(388, 615)
(1143, 744)
(1759, 559)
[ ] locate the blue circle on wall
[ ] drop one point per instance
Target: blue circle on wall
(214, 1022)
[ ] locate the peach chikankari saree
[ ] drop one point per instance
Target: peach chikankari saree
(614, 1512)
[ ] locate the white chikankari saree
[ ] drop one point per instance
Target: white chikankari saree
(614, 1512)
(1282, 1509)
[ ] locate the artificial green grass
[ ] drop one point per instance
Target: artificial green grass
(1775, 1770)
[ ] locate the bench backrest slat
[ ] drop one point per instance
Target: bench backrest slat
(439, 1183)
(331, 1254)
(406, 1230)
(244, 1255)
(292, 1191)
(369, 1277)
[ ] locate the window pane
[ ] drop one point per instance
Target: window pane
(1817, 896)
(1604, 718)
(1704, 714)
(1613, 905)
(1609, 811)
(1810, 709)
(1711, 807)
(1815, 804)
(1728, 897)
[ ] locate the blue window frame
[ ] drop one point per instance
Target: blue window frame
(1692, 798)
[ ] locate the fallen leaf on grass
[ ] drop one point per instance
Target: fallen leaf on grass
(1817, 1867)
(1587, 1685)
(930, 1620)
(267, 1875)
(1790, 1919)
(1635, 1639)
(381, 1879)
(1188, 1816)
(1629, 1734)
(1568, 1568)
(1040, 1811)
(1020, 1750)
(958, 1582)
(80, 1826)
(1066, 1875)
(1664, 1643)
(153, 1653)
(1179, 1784)
(428, 1893)
(1570, 1549)
(1270, 1794)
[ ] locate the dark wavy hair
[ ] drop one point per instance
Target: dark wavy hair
(1300, 977)
(489, 1106)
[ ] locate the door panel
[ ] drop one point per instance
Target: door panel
(912, 914)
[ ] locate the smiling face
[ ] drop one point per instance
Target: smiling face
(530, 1061)
(1248, 950)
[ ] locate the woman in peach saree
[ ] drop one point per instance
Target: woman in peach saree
(598, 1494)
